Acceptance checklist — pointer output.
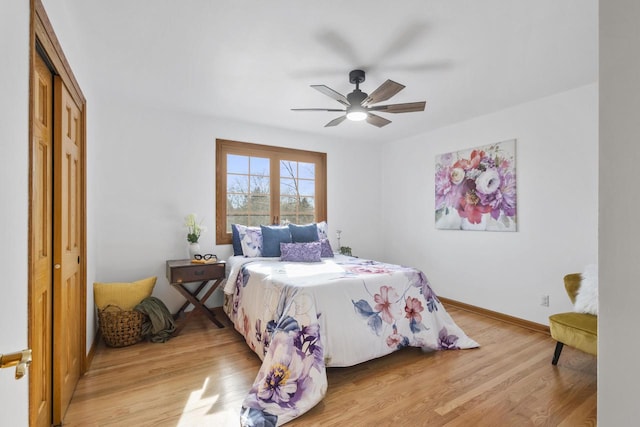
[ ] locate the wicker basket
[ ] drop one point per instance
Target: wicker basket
(120, 327)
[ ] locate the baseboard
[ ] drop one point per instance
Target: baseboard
(92, 351)
(495, 315)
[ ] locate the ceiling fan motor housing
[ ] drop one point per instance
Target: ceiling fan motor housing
(356, 77)
(356, 97)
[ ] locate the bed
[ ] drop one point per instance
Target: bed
(302, 317)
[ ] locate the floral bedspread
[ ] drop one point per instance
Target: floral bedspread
(303, 317)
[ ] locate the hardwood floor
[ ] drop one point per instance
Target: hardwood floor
(201, 377)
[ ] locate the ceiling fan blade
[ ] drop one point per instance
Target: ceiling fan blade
(378, 121)
(385, 91)
(318, 109)
(332, 94)
(408, 107)
(336, 122)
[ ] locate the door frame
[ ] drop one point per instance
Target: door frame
(43, 41)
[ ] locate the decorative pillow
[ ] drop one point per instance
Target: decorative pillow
(235, 236)
(323, 230)
(272, 236)
(251, 241)
(325, 249)
(300, 252)
(304, 233)
(587, 297)
(124, 295)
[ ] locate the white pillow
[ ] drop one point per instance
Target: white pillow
(251, 241)
(587, 297)
(323, 230)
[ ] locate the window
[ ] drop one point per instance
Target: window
(261, 184)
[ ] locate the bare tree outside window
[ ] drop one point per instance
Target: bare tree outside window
(248, 190)
(297, 192)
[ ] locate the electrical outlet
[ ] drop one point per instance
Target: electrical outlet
(544, 300)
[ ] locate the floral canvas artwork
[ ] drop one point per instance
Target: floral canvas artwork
(475, 189)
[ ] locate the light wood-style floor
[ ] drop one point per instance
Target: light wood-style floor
(201, 377)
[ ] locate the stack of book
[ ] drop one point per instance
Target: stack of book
(204, 261)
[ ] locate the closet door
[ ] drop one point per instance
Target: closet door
(40, 309)
(57, 226)
(68, 224)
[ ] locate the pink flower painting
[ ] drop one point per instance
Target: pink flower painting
(475, 189)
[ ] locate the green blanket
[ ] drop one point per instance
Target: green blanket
(159, 324)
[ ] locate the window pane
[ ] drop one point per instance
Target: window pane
(288, 187)
(259, 166)
(298, 213)
(257, 221)
(297, 192)
(260, 185)
(235, 219)
(237, 184)
(307, 205)
(306, 219)
(288, 168)
(288, 205)
(248, 190)
(297, 219)
(237, 203)
(237, 164)
(307, 187)
(306, 170)
(259, 205)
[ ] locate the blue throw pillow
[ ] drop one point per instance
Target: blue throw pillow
(304, 233)
(235, 236)
(272, 236)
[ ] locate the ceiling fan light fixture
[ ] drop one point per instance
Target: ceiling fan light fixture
(359, 105)
(356, 113)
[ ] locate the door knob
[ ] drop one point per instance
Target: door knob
(57, 266)
(21, 360)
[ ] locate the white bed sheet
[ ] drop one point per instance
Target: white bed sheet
(303, 317)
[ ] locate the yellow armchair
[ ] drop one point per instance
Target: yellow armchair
(578, 330)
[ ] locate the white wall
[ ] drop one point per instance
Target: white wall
(14, 186)
(618, 350)
(557, 184)
(155, 167)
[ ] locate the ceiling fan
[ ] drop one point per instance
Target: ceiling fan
(359, 105)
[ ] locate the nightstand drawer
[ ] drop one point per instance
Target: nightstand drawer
(185, 273)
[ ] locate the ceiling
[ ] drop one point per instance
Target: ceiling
(253, 60)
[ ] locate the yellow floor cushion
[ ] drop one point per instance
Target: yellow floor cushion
(578, 330)
(124, 295)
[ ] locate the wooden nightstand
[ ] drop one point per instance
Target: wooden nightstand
(184, 271)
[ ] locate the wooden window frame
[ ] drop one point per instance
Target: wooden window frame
(275, 154)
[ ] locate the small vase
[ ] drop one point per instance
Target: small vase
(194, 248)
